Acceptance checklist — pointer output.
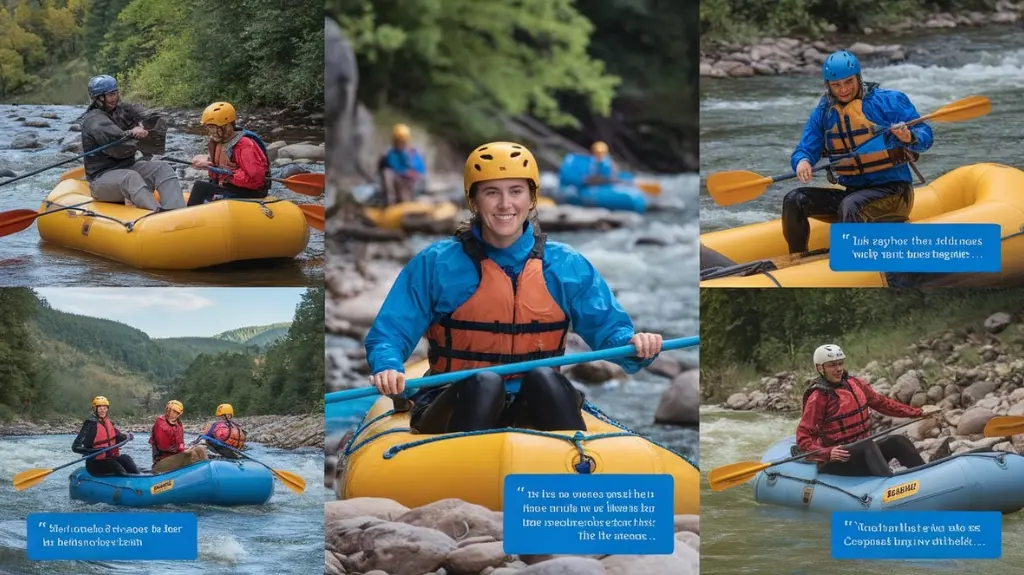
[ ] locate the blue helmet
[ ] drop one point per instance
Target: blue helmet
(840, 65)
(99, 85)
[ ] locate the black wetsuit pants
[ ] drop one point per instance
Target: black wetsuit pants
(871, 458)
(890, 202)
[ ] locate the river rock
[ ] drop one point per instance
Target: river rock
(906, 386)
(596, 372)
(49, 116)
(974, 420)
(471, 559)
(997, 322)
(680, 403)
(456, 518)
(380, 508)
(5, 173)
(25, 141)
(665, 366)
(296, 151)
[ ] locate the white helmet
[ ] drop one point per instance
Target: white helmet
(827, 353)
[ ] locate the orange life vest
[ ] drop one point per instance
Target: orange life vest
(848, 418)
(106, 436)
(229, 433)
(500, 323)
(851, 130)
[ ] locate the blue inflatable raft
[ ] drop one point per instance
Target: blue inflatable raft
(971, 481)
(576, 168)
(213, 482)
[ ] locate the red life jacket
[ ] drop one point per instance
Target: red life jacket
(106, 435)
(847, 417)
(500, 323)
(165, 434)
(229, 433)
(223, 156)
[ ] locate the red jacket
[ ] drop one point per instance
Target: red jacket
(166, 439)
(839, 415)
(246, 160)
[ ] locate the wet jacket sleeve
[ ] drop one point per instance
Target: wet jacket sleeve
(136, 112)
(900, 109)
(86, 436)
(593, 310)
(252, 165)
(812, 143)
(416, 162)
(104, 131)
(887, 406)
(809, 436)
(404, 316)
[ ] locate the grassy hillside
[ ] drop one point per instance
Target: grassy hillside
(260, 335)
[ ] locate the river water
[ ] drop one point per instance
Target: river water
(741, 537)
(283, 536)
(754, 123)
(28, 261)
(654, 283)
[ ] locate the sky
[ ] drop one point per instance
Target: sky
(179, 312)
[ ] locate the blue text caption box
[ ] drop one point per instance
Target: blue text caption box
(112, 536)
(922, 248)
(589, 514)
(917, 535)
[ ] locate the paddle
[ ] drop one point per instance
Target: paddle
(310, 184)
(290, 480)
(1004, 425)
(726, 476)
(651, 188)
(736, 187)
(513, 368)
(30, 477)
(62, 162)
(314, 215)
(14, 221)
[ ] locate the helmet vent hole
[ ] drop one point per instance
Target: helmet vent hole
(487, 157)
(526, 163)
(516, 154)
(477, 166)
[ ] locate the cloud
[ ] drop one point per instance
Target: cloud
(120, 301)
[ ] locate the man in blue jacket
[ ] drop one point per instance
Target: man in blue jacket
(401, 168)
(875, 178)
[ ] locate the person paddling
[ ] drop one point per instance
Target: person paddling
(498, 292)
(226, 431)
(168, 441)
(240, 152)
(876, 182)
(98, 433)
(836, 413)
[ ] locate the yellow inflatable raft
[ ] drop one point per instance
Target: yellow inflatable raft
(978, 193)
(200, 236)
(390, 218)
(383, 459)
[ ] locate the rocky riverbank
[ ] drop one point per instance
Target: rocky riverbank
(451, 537)
(775, 56)
(43, 130)
(972, 374)
(280, 431)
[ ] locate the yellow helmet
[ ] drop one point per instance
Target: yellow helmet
(176, 406)
(400, 132)
(599, 148)
(100, 400)
(500, 160)
(219, 114)
(225, 409)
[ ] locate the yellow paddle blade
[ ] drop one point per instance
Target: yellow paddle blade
(736, 187)
(967, 108)
(726, 476)
(73, 174)
(1004, 426)
(30, 477)
(291, 481)
(652, 188)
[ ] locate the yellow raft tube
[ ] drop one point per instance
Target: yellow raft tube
(383, 459)
(197, 237)
(391, 217)
(977, 193)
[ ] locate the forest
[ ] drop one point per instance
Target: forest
(184, 53)
(52, 363)
(748, 334)
(623, 71)
(746, 20)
